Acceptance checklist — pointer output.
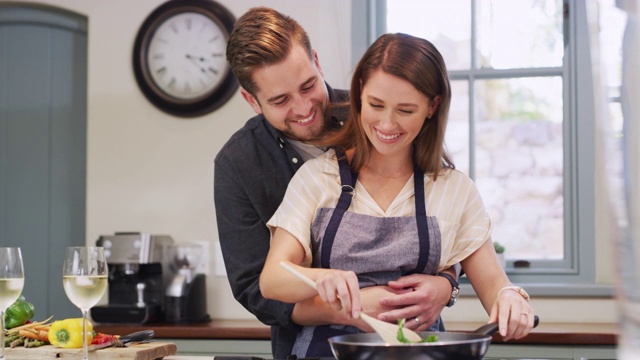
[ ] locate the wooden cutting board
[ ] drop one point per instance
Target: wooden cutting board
(146, 351)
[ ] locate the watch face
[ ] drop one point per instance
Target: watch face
(454, 296)
(186, 55)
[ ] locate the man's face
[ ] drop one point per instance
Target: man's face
(292, 95)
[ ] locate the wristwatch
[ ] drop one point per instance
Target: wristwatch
(455, 291)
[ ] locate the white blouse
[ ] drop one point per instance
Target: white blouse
(453, 199)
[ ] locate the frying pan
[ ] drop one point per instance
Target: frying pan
(450, 345)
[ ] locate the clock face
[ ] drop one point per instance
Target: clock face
(179, 57)
(186, 55)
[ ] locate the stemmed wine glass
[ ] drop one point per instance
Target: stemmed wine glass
(11, 283)
(84, 277)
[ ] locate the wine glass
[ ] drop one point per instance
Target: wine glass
(84, 277)
(11, 283)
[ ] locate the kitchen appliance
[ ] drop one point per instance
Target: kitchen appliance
(293, 357)
(450, 345)
(138, 275)
(186, 294)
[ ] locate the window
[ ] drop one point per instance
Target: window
(613, 21)
(521, 122)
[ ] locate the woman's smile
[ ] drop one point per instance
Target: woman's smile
(387, 137)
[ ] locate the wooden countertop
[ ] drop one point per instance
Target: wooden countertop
(544, 334)
(556, 333)
(214, 329)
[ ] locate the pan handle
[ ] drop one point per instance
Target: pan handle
(492, 328)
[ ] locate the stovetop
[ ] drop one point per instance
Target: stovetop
(259, 358)
(293, 357)
(290, 357)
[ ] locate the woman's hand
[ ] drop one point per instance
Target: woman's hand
(370, 298)
(341, 290)
(513, 314)
(507, 307)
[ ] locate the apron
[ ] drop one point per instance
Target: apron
(377, 249)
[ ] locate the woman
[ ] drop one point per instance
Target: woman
(388, 202)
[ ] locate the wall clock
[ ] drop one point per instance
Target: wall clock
(179, 57)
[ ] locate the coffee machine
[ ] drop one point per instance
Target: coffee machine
(186, 293)
(138, 275)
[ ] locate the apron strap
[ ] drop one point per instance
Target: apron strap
(421, 220)
(348, 181)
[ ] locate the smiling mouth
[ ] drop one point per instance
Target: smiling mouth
(387, 137)
(305, 120)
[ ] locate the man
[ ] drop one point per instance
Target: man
(281, 79)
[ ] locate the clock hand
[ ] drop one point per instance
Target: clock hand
(202, 60)
(210, 68)
(193, 60)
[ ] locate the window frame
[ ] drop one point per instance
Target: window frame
(576, 274)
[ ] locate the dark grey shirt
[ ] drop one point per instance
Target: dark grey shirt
(251, 174)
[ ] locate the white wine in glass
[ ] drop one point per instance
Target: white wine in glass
(84, 277)
(11, 283)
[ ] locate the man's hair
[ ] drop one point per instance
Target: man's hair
(262, 37)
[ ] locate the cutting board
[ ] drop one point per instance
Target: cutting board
(145, 351)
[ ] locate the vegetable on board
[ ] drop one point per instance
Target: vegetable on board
(67, 333)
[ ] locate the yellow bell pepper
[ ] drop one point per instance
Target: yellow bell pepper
(67, 333)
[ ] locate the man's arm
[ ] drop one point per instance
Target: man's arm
(419, 295)
(244, 240)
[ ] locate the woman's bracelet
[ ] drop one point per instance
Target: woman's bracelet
(517, 289)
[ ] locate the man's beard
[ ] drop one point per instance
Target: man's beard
(316, 135)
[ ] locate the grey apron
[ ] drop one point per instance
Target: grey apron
(377, 249)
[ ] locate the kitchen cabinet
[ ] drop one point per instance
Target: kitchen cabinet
(43, 126)
(258, 348)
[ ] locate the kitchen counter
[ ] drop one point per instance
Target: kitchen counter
(545, 334)
(561, 334)
(214, 329)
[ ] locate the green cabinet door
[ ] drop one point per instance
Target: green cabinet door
(43, 87)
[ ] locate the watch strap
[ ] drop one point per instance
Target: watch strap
(455, 288)
(452, 281)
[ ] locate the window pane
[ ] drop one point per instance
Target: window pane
(519, 163)
(447, 27)
(457, 135)
(614, 175)
(520, 34)
(612, 25)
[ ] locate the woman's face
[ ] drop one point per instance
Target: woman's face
(393, 112)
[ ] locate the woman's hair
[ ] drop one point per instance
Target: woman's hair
(261, 37)
(417, 61)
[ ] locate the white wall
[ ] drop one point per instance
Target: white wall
(152, 172)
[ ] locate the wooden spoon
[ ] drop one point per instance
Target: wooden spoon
(387, 331)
